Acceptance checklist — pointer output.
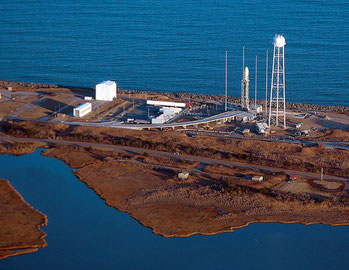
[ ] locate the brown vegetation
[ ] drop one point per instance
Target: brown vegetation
(272, 154)
(19, 224)
(334, 135)
(19, 148)
(202, 204)
(327, 185)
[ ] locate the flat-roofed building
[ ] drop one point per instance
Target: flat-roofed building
(82, 109)
(166, 103)
(106, 91)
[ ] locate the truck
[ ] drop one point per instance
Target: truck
(207, 127)
(292, 177)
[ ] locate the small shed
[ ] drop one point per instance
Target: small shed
(183, 175)
(82, 109)
(257, 178)
(246, 131)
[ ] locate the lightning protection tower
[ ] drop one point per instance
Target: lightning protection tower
(277, 105)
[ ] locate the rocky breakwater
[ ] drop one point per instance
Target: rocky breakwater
(174, 95)
(195, 96)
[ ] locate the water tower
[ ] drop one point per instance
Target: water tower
(277, 105)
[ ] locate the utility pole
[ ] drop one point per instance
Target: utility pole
(255, 88)
(322, 174)
(243, 60)
(266, 84)
(226, 81)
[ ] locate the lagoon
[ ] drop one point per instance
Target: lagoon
(84, 233)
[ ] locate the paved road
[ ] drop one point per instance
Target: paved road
(218, 117)
(187, 157)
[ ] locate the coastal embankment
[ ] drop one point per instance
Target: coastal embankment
(184, 95)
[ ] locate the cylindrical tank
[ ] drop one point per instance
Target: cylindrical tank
(279, 41)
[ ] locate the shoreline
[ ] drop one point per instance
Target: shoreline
(234, 225)
(176, 208)
(179, 95)
(23, 248)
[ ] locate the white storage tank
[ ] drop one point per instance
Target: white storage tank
(106, 91)
(82, 109)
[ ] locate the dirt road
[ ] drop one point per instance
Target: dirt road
(167, 154)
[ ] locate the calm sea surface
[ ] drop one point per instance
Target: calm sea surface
(84, 233)
(177, 45)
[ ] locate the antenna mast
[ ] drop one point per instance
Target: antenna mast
(255, 87)
(226, 81)
(266, 84)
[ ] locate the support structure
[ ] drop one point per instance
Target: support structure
(277, 106)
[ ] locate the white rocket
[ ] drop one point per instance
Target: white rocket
(246, 74)
(245, 103)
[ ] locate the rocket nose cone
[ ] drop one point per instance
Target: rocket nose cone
(246, 73)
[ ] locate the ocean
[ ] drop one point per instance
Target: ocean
(177, 45)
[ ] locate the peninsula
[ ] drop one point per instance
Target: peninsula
(201, 172)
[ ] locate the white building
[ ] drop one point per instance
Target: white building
(82, 109)
(106, 91)
(159, 119)
(257, 109)
(257, 178)
(183, 175)
(262, 128)
(166, 103)
(167, 113)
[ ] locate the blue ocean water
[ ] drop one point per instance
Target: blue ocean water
(177, 45)
(84, 233)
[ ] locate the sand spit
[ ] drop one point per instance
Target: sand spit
(19, 224)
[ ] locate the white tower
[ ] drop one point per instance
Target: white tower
(277, 106)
